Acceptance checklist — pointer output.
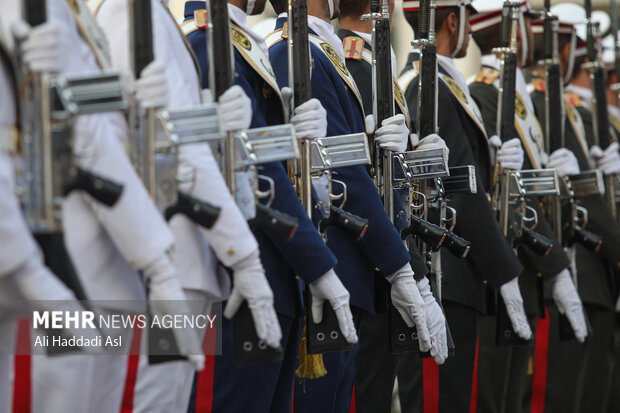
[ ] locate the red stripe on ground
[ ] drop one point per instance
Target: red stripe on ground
(474, 384)
(541, 355)
(431, 385)
(206, 378)
(133, 361)
(23, 364)
(352, 408)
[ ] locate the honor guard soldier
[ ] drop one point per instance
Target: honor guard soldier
(377, 368)
(23, 276)
(174, 84)
(491, 260)
(269, 386)
(381, 252)
(566, 367)
(108, 245)
(503, 370)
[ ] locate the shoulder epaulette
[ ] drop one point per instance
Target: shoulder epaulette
(573, 99)
(284, 34)
(199, 22)
(539, 84)
(353, 47)
(487, 76)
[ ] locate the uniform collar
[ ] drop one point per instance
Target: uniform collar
(238, 16)
(448, 65)
(491, 60)
(614, 111)
(325, 31)
(584, 93)
(367, 37)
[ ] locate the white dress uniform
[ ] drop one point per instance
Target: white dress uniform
(166, 388)
(107, 245)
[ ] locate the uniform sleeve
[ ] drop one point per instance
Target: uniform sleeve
(550, 265)
(491, 255)
(381, 243)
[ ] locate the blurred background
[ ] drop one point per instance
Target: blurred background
(401, 32)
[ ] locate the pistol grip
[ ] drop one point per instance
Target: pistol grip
(279, 224)
(102, 189)
(200, 212)
(353, 225)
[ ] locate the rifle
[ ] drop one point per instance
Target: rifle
(317, 158)
(600, 117)
(426, 184)
(48, 106)
(564, 213)
(157, 133)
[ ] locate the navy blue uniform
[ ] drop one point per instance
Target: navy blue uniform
(267, 386)
(380, 250)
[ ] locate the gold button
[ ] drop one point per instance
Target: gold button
(539, 274)
(484, 282)
(230, 251)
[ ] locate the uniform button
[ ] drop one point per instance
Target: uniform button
(230, 251)
(484, 282)
(539, 275)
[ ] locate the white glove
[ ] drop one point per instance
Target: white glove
(510, 154)
(152, 87)
(410, 304)
(287, 94)
(567, 299)
(608, 160)
(235, 109)
(564, 162)
(246, 198)
(46, 292)
(436, 322)
(514, 306)
(166, 298)
(393, 133)
(40, 45)
(432, 141)
(251, 284)
(310, 120)
(329, 287)
(494, 144)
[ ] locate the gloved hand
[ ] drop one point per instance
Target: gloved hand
(564, 162)
(410, 304)
(166, 298)
(608, 160)
(310, 120)
(329, 287)
(287, 94)
(494, 144)
(567, 299)
(152, 87)
(436, 322)
(45, 291)
(40, 45)
(432, 141)
(235, 109)
(393, 133)
(246, 199)
(514, 306)
(510, 154)
(251, 284)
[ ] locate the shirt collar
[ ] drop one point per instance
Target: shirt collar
(491, 60)
(448, 65)
(367, 37)
(584, 93)
(240, 18)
